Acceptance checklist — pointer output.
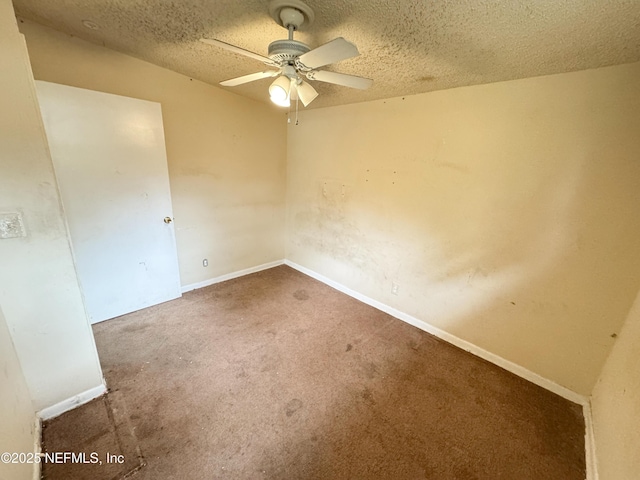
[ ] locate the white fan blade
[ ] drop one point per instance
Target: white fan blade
(238, 50)
(249, 78)
(332, 52)
(345, 80)
(306, 93)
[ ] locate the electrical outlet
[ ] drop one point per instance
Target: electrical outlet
(205, 263)
(394, 288)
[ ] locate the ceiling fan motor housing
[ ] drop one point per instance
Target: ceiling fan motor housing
(286, 51)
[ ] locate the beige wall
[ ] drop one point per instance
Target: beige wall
(506, 213)
(39, 291)
(226, 153)
(616, 406)
(17, 416)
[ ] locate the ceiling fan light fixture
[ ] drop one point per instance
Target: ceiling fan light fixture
(280, 91)
(284, 103)
(306, 93)
(293, 59)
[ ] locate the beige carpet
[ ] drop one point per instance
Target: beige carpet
(277, 376)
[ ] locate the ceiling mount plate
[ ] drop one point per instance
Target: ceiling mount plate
(276, 7)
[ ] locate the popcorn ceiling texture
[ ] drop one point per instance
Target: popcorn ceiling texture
(407, 47)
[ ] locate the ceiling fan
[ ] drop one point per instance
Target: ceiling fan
(293, 60)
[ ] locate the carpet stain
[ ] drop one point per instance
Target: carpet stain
(367, 396)
(349, 347)
(104, 427)
(293, 406)
(301, 295)
(135, 328)
(370, 370)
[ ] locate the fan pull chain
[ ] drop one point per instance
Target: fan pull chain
(296, 110)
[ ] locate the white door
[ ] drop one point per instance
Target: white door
(109, 158)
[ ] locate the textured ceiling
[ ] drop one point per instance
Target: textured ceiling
(406, 46)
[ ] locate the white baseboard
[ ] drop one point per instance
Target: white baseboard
(452, 339)
(37, 447)
(589, 443)
(230, 276)
(73, 402)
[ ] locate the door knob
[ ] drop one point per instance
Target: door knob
(167, 220)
